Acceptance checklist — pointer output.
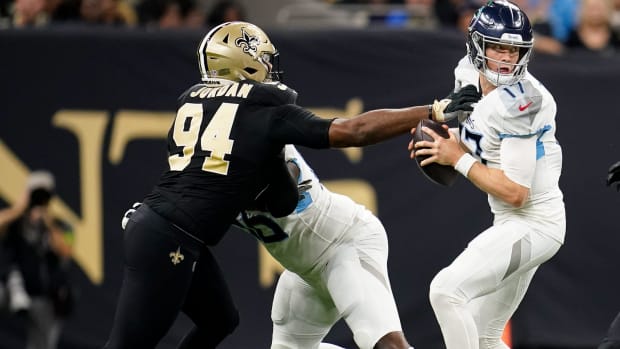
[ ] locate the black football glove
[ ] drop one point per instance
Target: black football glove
(457, 104)
(613, 175)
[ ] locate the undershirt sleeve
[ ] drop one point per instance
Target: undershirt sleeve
(518, 159)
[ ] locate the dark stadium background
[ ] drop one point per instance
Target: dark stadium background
(104, 73)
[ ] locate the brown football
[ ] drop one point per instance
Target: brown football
(440, 174)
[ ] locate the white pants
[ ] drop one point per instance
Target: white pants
(475, 296)
(352, 283)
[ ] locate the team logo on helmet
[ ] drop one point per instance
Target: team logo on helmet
(248, 43)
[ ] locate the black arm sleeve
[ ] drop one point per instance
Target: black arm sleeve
(281, 196)
(296, 125)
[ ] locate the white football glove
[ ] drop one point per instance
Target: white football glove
(128, 214)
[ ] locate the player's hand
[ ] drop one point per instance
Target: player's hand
(128, 214)
(458, 104)
(441, 150)
(613, 175)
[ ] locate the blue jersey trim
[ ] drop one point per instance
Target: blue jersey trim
(305, 199)
(540, 149)
(539, 132)
(509, 92)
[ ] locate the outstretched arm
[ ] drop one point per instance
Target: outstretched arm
(377, 125)
(374, 126)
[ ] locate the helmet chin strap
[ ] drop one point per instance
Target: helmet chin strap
(498, 79)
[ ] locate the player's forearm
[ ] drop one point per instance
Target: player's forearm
(375, 126)
(8, 215)
(494, 182)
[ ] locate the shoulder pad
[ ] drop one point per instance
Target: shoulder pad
(275, 93)
(189, 90)
(519, 107)
(465, 74)
(520, 99)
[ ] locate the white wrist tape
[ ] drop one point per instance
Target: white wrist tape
(464, 164)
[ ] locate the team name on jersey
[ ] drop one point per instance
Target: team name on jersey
(236, 89)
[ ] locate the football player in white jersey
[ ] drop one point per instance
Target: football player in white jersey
(335, 253)
(507, 149)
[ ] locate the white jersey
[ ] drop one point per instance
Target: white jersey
(303, 238)
(525, 109)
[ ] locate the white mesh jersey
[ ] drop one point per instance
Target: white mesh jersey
(525, 109)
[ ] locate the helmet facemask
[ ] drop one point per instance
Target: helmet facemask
(476, 47)
(271, 61)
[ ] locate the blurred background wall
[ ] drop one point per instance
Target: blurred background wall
(93, 102)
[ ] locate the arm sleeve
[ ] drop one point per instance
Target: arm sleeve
(296, 125)
(518, 159)
(282, 195)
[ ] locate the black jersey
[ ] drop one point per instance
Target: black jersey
(220, 146)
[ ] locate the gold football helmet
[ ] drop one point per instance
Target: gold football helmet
(238, 51)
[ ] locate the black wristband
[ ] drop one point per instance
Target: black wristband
(430, 111)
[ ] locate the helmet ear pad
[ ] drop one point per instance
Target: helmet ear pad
(474, 46)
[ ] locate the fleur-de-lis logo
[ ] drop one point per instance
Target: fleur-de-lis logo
(247, 42)
(176, 257)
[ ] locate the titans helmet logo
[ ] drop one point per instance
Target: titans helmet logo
(248, 43)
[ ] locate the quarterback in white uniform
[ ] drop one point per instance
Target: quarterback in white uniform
(507, 149)
(335, 253)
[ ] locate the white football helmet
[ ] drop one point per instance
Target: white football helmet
(238, 51)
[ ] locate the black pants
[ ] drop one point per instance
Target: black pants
(612, 341)
(166, 271)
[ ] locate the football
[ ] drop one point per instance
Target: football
(440, 174)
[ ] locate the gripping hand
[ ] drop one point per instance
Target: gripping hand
(613, 175)
(457, 104)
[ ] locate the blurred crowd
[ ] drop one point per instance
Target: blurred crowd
(592, 25)
(559, 25)
(122, 13)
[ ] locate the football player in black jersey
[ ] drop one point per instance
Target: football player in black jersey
(223, 150)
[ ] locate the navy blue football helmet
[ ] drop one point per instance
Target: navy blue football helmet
(500, 22)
